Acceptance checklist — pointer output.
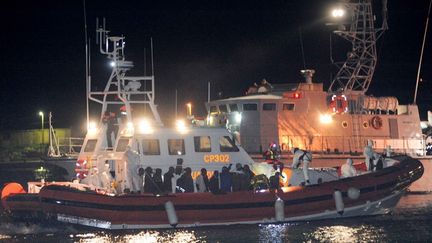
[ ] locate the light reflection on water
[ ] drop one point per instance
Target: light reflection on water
(410, 222)
(2, 237)
(339, 233)
(143, 236)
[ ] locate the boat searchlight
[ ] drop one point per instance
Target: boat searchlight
(181, 126)
(145, 127)
(92, 127)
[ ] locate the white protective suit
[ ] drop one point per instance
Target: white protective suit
(92, 179)
(106, 178)
(200, 184)
(132, 180)
(304, 156)
(368, 152)
(348, 170)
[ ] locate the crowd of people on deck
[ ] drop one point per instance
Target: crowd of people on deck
(152, 181)
(241, 178)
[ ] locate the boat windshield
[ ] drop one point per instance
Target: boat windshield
(90, 145)
(122, 144)
(227, 144)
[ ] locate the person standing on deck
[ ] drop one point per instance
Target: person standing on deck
(368, 152)
(185, 181)
(167, 180)
(110, 119)
(214, 185)
(300, 156)
(158, 182)
(226, 179)
(202, 181)
(141, 179)
(149, 185)
(274, 181)
(348, 170)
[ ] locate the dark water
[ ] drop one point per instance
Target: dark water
(410, 222)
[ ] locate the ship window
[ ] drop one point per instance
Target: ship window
(233, 107)
(151, 146)
(269, 107)
(227, 144)
(122, 144)
(202, 144)
(91, 145)
(288, 107)
(213, 109)
(176, 146)
(250, 107)
(223, 108)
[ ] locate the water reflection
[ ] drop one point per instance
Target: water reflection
(273, 232)
(409, 222)
(3, 237)
(338, 233)
(175, 236)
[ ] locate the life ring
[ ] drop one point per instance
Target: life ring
(339, 104)
(81, 169)
(376, 122)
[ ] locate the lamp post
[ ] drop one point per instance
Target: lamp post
(41, 114)
(189, 109)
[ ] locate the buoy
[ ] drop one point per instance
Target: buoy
(171, 213)
(353, 193)
(279, 210)
(339, 202)
(8, 189)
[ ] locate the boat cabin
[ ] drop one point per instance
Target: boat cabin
(304, 115)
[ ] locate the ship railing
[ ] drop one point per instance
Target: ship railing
(342, 145)
(70, 145)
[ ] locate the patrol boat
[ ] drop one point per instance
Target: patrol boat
(370, 193)
(105, 194)
(339, 120)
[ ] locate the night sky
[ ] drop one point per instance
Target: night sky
(231, 44)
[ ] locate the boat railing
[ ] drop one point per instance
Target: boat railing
(336, 145)
(69, 145)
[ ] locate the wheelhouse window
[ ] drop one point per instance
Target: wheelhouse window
(233, 107)
(269, 107)
(90, 146)
(223, 108)
(176, 147)
(122, 144)
(202, 144)
(213, 109)
(227, 144)
(151, 146)
(288, 107)
(250, 107)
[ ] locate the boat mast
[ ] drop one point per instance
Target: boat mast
(421, 54)
(122, 90)
(86, 65)
(52, 151)
(357, 27)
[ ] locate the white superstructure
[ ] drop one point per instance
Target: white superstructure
(124, 140)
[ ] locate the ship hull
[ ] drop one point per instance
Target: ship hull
(379, 193)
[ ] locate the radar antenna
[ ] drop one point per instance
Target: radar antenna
(122, 91)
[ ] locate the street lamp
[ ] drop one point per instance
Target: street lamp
(338, 12)
(41, 114)
(189, 109)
